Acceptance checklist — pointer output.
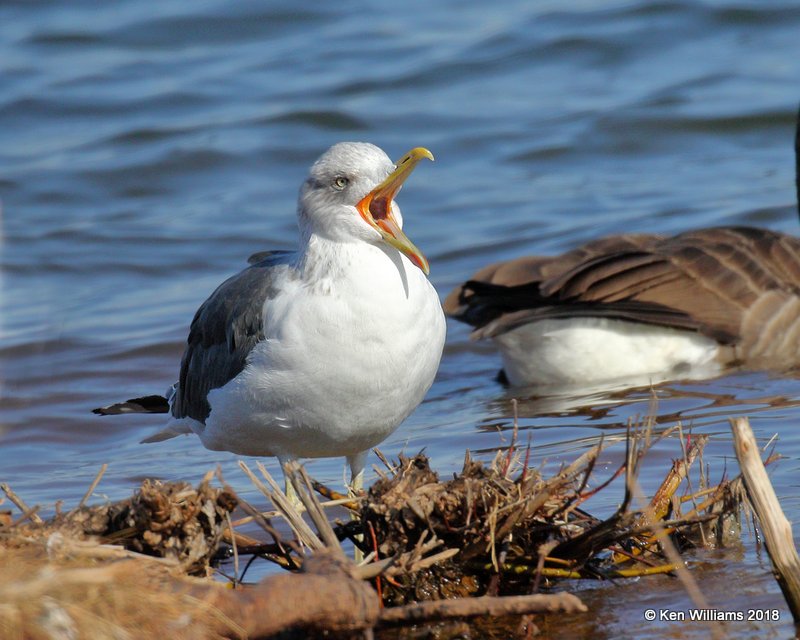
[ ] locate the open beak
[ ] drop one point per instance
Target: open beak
(376, 207)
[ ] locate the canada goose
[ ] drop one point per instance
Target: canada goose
(642, 306)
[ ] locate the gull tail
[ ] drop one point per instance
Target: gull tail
(149, 404)
(145, 404)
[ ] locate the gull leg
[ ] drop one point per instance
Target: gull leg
(357, 463)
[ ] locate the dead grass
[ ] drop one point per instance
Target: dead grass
(499, 529)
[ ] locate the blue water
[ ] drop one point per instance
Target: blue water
(146, 149)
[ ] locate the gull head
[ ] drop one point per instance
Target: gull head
(349, 196)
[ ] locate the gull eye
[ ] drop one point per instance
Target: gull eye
(340, 183)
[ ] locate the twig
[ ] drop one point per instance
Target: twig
(281, 502)
(235, 550)
(303, 488)
(20, 503)
(92, 487)
(383, 459)
(375, 551)
(424, 563)
(514, 434)
(776, 528)
(484, 606)
(262, 522)
(31, 514)
(684, 575)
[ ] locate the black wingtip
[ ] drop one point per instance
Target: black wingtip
(502, 378)
(145, 404)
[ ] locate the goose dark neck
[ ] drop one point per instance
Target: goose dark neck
(797, 160)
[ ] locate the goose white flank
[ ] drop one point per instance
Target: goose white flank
(641, 307)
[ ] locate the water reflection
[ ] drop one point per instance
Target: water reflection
(690, 402)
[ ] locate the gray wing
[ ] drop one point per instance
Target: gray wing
(261, 256)
(225, 329)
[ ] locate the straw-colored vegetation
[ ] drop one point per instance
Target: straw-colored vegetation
(496, 539)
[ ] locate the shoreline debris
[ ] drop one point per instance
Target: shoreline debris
(777, 529)
(493, 540)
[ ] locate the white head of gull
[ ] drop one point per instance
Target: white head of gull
(320, 352)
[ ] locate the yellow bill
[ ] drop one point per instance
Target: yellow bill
(376, 207)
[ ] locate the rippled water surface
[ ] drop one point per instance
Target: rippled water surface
(146, 149)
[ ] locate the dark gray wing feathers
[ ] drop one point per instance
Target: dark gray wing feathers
(225, 329)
